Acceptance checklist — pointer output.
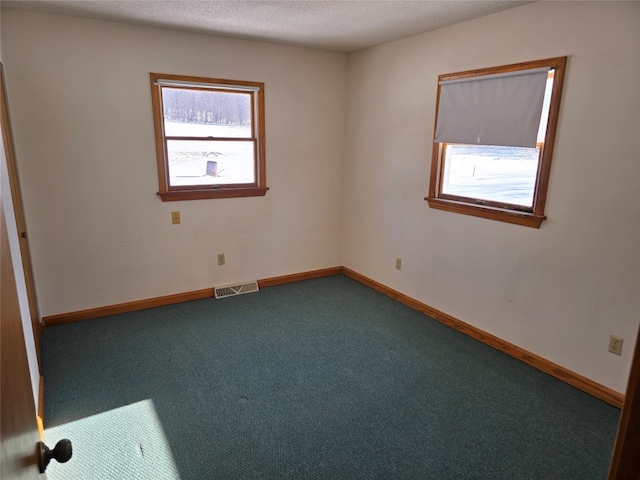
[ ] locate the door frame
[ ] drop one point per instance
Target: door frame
(19, 433)
(18, 209)
(625, 461)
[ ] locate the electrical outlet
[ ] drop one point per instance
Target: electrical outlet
(398, 264)
(221, 259)
(615, 344)
(175, 217)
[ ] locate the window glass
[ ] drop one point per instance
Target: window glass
(497, 181)
(209, 137)
(482, 172)
(210, 162)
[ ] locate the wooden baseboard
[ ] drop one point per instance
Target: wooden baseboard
(297, 277)
(589, 386)
(40, 413)
(125, 307)
(98, 312)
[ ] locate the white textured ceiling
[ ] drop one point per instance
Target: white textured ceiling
(340, 25)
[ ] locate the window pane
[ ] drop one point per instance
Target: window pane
(500, 174)
(202, 113)
(210, 162)
(544, 120)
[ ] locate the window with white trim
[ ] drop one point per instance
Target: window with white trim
(493, 140)
(210, 139)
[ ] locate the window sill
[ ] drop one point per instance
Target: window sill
(509, 216)
(177, 195)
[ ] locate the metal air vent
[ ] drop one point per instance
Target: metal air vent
(235, 289)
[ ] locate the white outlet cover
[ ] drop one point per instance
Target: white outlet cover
(615, 344)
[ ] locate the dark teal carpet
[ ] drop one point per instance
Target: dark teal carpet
(322, 379)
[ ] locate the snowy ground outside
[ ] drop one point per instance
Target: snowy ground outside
(189, 160)
(502, 174)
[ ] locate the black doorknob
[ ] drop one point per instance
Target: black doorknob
(61, 452)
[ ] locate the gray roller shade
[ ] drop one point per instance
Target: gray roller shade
(501, 109)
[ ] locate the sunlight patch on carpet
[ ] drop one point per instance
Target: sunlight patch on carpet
(133, 436)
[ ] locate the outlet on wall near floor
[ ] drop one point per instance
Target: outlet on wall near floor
(221, 259)
(615, 344)
(398, 264)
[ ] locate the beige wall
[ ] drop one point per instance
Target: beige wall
(81, 106)
(559, 291)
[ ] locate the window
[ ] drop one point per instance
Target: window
(209, 137)
(493, 141)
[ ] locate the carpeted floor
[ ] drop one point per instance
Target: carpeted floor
(322, 379)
